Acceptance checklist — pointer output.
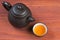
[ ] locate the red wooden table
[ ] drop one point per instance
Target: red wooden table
(45, 11)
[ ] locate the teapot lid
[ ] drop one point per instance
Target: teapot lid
(20, 10)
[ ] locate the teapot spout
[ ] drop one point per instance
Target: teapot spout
(6, 5)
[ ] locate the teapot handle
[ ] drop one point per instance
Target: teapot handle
(31, 19)
(6, 5)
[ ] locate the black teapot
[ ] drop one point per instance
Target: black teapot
(19, 14)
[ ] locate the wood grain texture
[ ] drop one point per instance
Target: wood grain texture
(45, 11)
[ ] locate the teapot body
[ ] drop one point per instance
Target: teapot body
(19, 22)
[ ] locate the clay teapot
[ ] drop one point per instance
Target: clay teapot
(19, 14)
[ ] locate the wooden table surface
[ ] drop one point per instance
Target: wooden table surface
(45, 11)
